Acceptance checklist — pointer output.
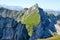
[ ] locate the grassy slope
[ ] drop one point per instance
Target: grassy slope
(31, 21)
(56, 37)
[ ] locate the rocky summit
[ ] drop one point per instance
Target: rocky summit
(12, 30)
(46, 28)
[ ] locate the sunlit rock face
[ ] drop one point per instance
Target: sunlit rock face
(4, 12)
(12, 30)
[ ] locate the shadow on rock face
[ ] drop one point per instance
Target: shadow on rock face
(44, 27)
(12, 30)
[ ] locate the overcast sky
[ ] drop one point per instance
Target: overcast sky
(45, 4)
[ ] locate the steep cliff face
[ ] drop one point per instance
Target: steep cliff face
(12, 30)
(46, 28)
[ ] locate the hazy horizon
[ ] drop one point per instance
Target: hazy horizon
(45, 4)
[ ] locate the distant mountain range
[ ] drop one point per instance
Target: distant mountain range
(12, 7)
(52, 11)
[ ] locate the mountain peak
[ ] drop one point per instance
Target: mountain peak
(32, 9)
(35, 6)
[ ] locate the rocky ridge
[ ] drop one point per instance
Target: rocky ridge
(43, 30)
(46, 28)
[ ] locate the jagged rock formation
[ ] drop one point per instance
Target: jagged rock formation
(46, 27)
(30, 11)
(12, 13)
(12, 30)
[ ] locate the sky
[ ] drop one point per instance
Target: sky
(45, 4)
